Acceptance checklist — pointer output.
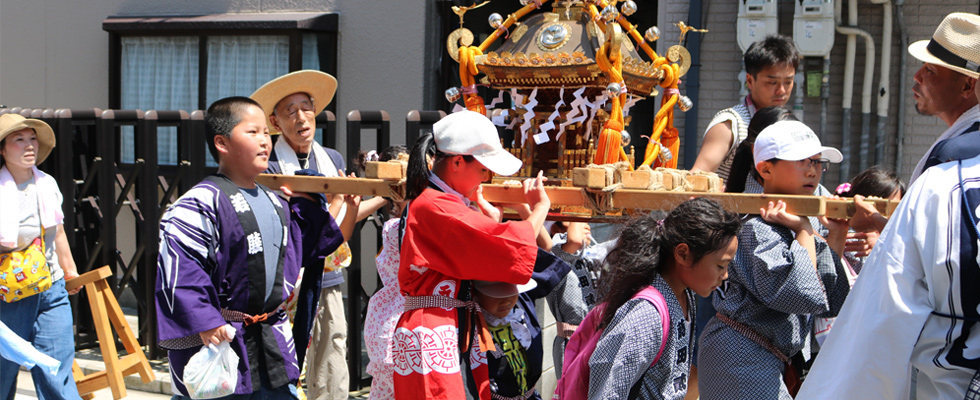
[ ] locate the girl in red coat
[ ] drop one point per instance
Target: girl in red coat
(450, 239)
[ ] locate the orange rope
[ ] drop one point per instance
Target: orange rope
(467, 75)
(664, 131)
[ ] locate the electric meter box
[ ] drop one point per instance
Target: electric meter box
(756, 20)
(813, 27)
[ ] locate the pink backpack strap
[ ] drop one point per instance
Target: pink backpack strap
(654, 296)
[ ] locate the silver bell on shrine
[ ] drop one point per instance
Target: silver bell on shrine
(628, 7)
(613, 90)
(610, 13)
(452, 94)
(652, 34)
(626, 138)
(496, 20)
(685, 103)
(665, 154)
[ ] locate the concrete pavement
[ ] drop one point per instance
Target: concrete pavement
(25, 390)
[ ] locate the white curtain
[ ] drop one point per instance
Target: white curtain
(158, 73)
(237, 65)
(311, 55)
(311, 60)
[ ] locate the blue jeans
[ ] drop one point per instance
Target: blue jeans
(284, 392)
(45, 320)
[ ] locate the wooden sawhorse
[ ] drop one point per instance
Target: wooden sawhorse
(105, 310)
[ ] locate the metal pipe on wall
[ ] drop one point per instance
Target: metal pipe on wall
(824, 97)
(693, 86)
(902, 86)
(852, 32)
(884, 81)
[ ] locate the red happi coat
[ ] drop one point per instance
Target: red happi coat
(446, 242)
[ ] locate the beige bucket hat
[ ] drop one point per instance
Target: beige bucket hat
(955, 45)
(10, 123)
(319, 85)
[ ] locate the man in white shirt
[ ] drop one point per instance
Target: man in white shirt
(914, 309)
(770, 66)
(944, 86)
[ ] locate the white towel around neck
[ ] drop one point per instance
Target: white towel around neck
(289, 164)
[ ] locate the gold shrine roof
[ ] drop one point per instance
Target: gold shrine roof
(558, 49)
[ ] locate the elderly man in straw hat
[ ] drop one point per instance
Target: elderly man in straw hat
(292, 102)
(909, 327)
(944, 86)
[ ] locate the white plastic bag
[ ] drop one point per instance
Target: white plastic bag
(212, 372)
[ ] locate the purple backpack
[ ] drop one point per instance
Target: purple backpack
(574, 383)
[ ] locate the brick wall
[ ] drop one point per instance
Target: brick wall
(721, 62)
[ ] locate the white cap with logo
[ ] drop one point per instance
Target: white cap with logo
(471, 133)
(791, 141)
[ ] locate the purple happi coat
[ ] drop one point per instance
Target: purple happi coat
(204, 267)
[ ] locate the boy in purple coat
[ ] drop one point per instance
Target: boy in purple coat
(230, 252)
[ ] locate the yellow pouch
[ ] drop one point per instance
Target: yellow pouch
(24, 273)
(340, 258)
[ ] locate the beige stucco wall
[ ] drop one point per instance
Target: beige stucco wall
(55, 53)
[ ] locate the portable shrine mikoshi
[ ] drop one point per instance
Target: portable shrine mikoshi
(563, 68)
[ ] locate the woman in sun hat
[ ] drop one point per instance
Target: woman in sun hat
(449, 241)
(32, 210)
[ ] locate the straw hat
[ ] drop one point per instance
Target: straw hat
(319, 85)
(955, 45)
(10, 123)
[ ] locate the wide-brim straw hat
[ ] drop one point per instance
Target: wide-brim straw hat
(955, 45)
(320, 86)
(10, 123)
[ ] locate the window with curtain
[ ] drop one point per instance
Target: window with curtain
(188, 62)
(162, 73)
(311, 60)
(158, 73)
(237, 65)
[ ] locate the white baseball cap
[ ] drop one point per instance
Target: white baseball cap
(501, 290)
(471, 133)
(791, 141)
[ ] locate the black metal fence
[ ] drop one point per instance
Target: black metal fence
(97, 186)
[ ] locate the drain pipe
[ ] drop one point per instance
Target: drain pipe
(852, 32)
(902, 86)
(884, 81)
(693, 86)
(824, 97)
(798, 84)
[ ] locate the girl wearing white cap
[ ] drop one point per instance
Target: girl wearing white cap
(448, 241)
(32, 220)
(786, 272)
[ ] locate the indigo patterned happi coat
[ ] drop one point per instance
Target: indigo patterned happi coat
(204, 266)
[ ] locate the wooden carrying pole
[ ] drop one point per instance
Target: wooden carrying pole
(573, 196)
(106, 311)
